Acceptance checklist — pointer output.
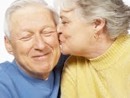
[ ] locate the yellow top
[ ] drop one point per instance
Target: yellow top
(107, 76)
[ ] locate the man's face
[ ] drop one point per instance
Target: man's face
(33, 40)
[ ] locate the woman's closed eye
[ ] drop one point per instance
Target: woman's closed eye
(64, 22)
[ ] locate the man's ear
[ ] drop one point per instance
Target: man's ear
(8, 45)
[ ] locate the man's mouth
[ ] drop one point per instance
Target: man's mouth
(41, 56)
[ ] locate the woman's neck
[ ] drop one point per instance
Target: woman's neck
(99, 48)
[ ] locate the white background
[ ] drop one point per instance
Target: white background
(3, 6)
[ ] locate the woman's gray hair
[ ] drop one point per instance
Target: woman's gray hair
(114, 12)
(18, 4)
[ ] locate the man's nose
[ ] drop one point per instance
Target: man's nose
(39, 42)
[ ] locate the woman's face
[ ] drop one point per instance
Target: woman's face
(75, 34)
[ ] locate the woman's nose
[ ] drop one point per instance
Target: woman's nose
(59, 29)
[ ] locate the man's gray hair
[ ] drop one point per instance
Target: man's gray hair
(18, 4)
(114, 12)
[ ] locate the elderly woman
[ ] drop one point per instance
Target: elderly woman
(95, 33)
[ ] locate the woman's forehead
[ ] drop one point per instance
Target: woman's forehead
(67, 5)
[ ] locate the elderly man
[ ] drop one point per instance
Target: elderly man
(30, 35)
